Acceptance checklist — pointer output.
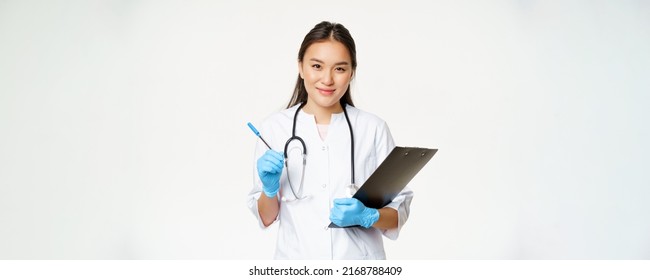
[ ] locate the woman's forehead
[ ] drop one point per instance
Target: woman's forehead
(329, 51)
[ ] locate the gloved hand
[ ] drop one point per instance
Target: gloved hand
(351, 212)
(269, 168)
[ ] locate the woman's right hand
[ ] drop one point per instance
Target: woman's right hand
(269, 168)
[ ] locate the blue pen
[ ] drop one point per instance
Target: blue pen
(258, 135)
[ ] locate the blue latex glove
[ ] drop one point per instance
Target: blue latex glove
(269, 168)
(351, 212)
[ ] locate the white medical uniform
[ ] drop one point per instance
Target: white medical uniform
(302, 231)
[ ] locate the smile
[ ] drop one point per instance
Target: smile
(325, 91)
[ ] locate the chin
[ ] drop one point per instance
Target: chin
(330, 102)
(325, 101)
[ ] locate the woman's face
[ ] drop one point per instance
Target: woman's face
(326, 69)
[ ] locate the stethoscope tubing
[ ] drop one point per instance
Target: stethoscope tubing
(304, 149)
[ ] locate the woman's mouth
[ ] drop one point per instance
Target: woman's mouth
(325, 91)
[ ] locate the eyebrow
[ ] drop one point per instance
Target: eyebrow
(335, 64)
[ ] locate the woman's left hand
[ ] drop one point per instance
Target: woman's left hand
(351, 212)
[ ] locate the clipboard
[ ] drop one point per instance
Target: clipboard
(392, 176)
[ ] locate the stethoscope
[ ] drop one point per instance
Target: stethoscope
(298, 195)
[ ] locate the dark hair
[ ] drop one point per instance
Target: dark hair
(322, 32)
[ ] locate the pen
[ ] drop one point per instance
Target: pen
(258, 135)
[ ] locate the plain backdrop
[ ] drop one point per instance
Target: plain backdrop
(123, 123)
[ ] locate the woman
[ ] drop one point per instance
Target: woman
(316, 187)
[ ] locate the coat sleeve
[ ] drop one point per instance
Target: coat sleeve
(402, 202)
(256, 191)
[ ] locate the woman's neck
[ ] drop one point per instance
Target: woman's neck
(323, 115)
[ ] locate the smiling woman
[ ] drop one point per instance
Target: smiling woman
(334, 43)
(326, 71)
(304, 196)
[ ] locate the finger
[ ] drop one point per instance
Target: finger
(340, 211)
(269, 169)
(276, 163)
(336, 217)
(272, 156)
(337, 212)
(270, 165)
(276, 155)
(263, 163)
(344, 201)
(344, 209)
(262, 167)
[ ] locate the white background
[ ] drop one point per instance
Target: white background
(123, 123)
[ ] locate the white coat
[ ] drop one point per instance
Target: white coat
(302, 231)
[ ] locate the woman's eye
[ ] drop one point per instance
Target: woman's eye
(316, 66)
(340, 69)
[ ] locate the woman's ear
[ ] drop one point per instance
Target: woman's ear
(300, 69)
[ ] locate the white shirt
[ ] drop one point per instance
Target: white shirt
(303, 232)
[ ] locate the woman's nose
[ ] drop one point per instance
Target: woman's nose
(327, 78)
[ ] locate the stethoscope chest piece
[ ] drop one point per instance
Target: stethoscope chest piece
(287, 149)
